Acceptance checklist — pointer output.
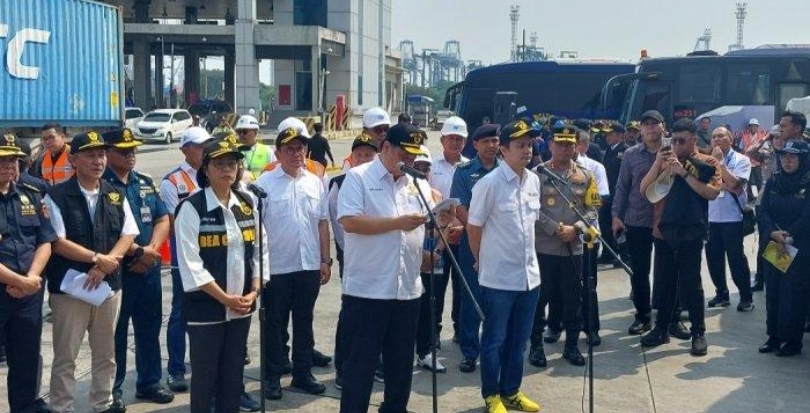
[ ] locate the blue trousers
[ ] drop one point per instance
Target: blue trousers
(141, 301)
(176, 328)
(508, 324)
(21, 331)
(468, 321)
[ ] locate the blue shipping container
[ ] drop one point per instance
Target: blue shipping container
(62, 61)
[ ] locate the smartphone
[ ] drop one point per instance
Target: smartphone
(666, 144)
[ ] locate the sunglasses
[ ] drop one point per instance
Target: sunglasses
(380, 129)
(679, 141)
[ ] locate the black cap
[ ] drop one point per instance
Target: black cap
(486, 131)
(795, 147)
(566, 134)
(288, 135)
(9, 146)
(614, 127)
(221, 147)
(408, 137)
(652, 114)
(364, 140)
(634, 124)
(121, 138)
(87, 141)
(517, 129)
(584, 124)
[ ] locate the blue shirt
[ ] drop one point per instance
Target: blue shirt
(147, 206)
(467, 174)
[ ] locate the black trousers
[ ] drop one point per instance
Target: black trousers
(726, 241)
(217, 353)
(291, 293)
(605, 223)
(372, 327)
(561, 290)
(21, 332)
(678, 273)
(786, 301)
(639, 245)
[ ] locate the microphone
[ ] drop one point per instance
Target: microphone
(259, 192)
(415, 173)
(547, 172)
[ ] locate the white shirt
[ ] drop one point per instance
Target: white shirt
(441, 174)
(506, 210)
(382, 266)
(58, 223)
(169, 192)
(598, 171)
(724, 208)
(192, 271)
(294, 208)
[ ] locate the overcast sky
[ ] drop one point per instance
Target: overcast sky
(595, 28)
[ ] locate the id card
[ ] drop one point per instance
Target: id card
(146, 214)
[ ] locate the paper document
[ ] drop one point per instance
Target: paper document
(781, 262)
(73, 285)
(446, 205)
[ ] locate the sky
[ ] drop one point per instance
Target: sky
(617, 29)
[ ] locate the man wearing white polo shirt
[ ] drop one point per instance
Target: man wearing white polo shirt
(383, 219)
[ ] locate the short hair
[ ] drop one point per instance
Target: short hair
(404, 118)
(318, 127)
(583, 136)
(52, 125)
(796, 118)
(706, 118)
(684, 125)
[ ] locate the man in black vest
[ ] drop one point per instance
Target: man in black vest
(101, 231)
(614, 153)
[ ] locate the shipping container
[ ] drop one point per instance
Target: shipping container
(62, 61)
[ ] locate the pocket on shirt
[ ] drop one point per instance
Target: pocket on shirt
(314, 204)
(507, 207)
(280, 206)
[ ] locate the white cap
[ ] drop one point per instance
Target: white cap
(376, 117)
(753, 121)
(247, 122)
(454, 125)
(776, 130)
(425, 157)
(294, 123)
(660, 188)
(195, 135)
(252, 112)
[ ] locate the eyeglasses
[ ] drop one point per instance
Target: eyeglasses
(380, 129)
(294, 150)
(225, 164)
(124, 151)
(679, 141)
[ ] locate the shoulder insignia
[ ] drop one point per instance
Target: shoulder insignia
(144, 175)
(29, 187)
(464, 165)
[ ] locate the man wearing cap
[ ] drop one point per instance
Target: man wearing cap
(176, 186)
(141, 291)
(750, 137)
(559, 248)
(383, 217)
(25, 246)
(485, 140)
(376, 123)
(53, 165)
(631, 137)
(680, 225)
(614, 138)
(504, 204)
(726, 224)
(96, 228)
(454, 135)
(310, 165)
(257, 154)
(300, 260)
(318, 148)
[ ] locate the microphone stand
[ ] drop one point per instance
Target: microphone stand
(262, 308)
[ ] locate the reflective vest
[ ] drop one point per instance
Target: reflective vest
(183, 182)
(59, 171)
(256, 160)
(313, 167)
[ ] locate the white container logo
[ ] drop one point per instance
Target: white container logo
(16, 48)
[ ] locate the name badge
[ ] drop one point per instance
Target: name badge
(146, 214)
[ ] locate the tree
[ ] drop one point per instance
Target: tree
(267, 94)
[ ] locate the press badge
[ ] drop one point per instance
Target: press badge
(146, 214)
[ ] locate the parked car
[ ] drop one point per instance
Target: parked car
(209, 111)
(132, 116)
(164, 125)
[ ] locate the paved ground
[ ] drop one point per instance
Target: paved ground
(732, 378)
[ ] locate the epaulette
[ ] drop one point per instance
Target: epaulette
(29, 187)
(464, 165)
(144, 175)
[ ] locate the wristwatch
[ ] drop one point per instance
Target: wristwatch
(138, 253)
(95, 257)
(327, 261)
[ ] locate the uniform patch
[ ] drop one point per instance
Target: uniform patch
(246, 209)
(550, 201)
(115, 198)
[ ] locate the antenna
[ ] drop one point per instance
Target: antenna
(514, 15)
(741, 13)
(704, 42)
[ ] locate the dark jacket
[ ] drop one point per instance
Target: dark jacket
(788, 212)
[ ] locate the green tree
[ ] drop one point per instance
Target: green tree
(267, 93)
(211, 82)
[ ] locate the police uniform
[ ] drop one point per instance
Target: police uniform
(141, 293)
(560, 262)
(24, 228)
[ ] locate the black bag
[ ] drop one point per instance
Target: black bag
(749, 218)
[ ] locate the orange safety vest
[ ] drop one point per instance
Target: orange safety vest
(183, 182)
(312, 166)
(59, 171)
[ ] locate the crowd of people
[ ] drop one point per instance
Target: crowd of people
(531, 195)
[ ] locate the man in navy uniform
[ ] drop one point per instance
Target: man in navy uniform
(142, 294)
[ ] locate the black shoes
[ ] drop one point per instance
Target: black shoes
(309, 384)
(158, 395)
(719, 300)
(320, 360)
(654, 338)
(745, 306)
(770, 346)
(639, 327)
(247, 359)
(117, 405)
(699, 346)
(287, 368)
(679, 331)
(594, 339)
(552, 336)
(573, 355)
(41, 407)
(789, 350)
(467, 365)
(537, 357)
(177, 383)
(272, 389)
(758, 286)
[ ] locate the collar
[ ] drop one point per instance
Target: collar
(377, 169)
(212, 203)
(440, 158)
(507, 172)
(614, 146)
(186, 167)
(279, 172)
(478, 165)
(111, 177)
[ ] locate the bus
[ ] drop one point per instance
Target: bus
(768, 76)
(568, 88)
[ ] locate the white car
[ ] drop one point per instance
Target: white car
(132, 116)
(163, 124)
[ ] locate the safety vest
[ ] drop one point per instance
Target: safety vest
(59, 171)
(313, 167)
(256, 160)
(183, 182)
